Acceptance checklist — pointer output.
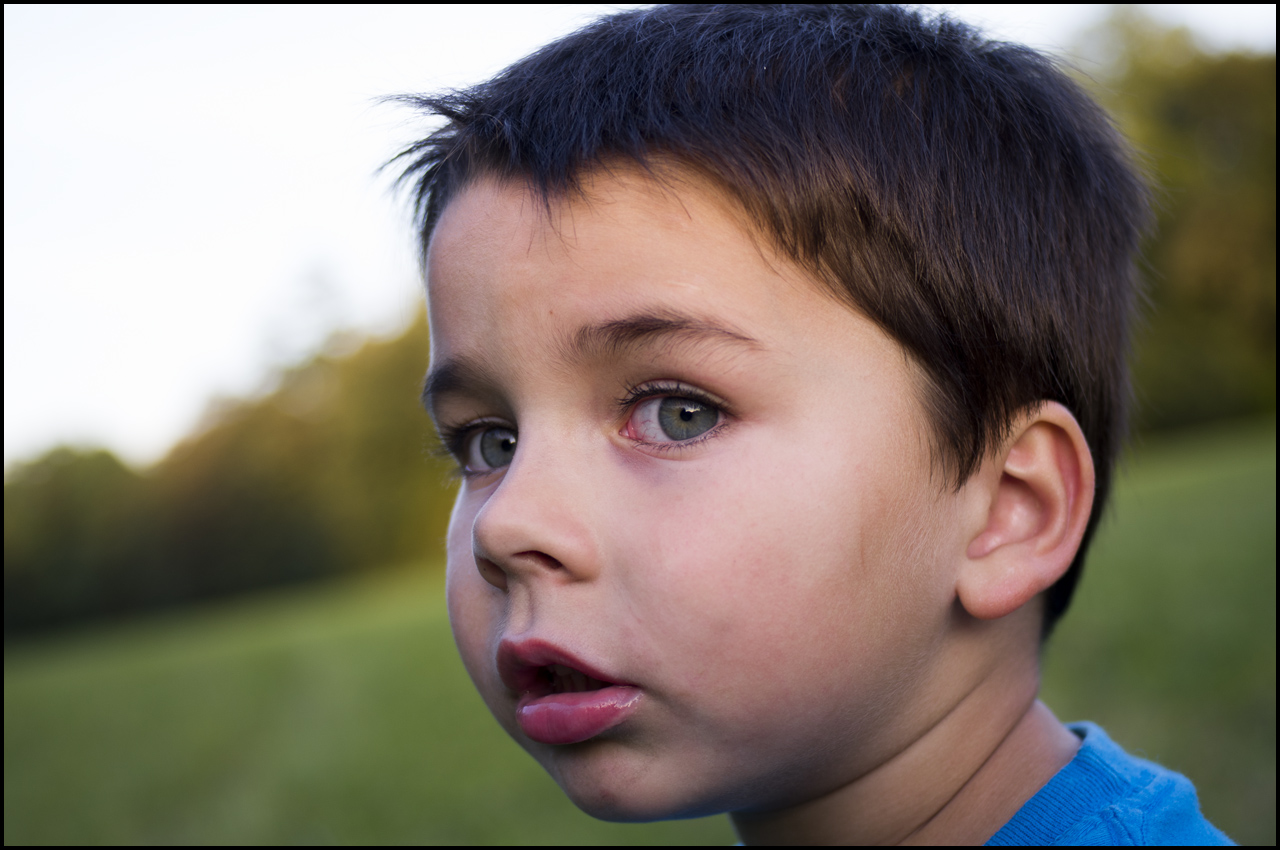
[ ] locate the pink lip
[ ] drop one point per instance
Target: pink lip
(575, 717)
(561, 718)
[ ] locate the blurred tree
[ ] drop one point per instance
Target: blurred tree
(77, 538)
(331, 472)
(1206, 124)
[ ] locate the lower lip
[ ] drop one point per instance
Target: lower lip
(571, 718)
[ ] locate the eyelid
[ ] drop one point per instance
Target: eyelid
(678, 389)
(455, 439)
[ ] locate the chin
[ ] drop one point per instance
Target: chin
(608, 782)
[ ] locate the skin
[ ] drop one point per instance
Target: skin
(832, 645)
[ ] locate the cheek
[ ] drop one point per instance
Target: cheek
(799, 579)
(472, 611)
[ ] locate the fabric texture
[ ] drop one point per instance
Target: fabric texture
(1107, 797)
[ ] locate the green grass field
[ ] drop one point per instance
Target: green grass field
(340, 714)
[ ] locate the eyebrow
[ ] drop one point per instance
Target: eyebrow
(606, 340)
(453, 377)
(622, 336)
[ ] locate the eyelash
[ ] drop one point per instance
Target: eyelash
(453, 443)
(627, 403)
(454, 439)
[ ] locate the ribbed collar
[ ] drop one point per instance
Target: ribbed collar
(1089, 783)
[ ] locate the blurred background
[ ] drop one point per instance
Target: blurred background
(223, 613)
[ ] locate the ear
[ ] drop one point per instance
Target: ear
(1035, 496)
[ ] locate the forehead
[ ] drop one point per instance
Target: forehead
(515, 286)
(623, 233)
(626, 243)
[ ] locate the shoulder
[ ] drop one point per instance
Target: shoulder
(1106, 796)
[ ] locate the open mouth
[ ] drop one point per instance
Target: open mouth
(559, 698)
(562, 679)
(534, 668)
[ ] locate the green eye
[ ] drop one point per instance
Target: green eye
(492, 448)
(684, 418)
(671, 419)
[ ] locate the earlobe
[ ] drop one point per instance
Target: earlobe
(1034, 497)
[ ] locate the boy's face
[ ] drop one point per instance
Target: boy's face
(693, 473)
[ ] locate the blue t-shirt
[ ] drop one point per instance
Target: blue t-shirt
(1107, 797)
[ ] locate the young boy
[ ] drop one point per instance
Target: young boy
(782, 350)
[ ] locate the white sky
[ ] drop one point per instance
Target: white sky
(190, 198)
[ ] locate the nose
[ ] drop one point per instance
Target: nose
(536, 524)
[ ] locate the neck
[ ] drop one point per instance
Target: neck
(1035, 749)
(957, 782)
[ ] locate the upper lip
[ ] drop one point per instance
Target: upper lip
(521, 662)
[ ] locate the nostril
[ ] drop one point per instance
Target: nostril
(542, 559)
(492, 573)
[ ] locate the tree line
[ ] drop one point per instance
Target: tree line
(334, 471)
